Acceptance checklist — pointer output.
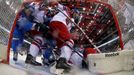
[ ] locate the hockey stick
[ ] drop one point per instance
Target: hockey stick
(80, 30)
(84, 63)
(71, 48)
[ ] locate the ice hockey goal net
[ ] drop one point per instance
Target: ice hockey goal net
(8, 9)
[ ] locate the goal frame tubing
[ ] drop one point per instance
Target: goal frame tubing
(15, 20)
(12, 30)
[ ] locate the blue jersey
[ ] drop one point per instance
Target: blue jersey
(23, 25)
(51, 44)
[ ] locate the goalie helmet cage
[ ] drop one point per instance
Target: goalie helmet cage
(11, 28)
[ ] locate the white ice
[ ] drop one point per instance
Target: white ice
(21, 69)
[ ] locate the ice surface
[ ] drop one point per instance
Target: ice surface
(21, 69)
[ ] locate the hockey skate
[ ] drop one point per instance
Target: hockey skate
(30, 60)
(15, 56)
(60, 67)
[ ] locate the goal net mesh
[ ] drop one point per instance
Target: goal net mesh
(127, 30)
(8, 10)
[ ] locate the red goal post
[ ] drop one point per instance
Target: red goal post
(13, 26)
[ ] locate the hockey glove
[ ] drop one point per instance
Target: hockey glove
(41, 27)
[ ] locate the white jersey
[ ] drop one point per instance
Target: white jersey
(40, 17)
(36, 7)
(38, 14)
(62, 18)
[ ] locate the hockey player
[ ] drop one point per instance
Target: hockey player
(60, 26)
(24, 23)
(48, 52)
(39, 38)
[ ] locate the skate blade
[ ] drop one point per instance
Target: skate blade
(15, 62)
(56, 71)
(27, 65)
(30, 66)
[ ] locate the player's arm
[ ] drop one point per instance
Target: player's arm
(40, 27)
